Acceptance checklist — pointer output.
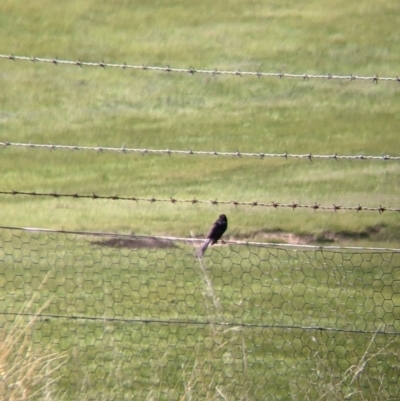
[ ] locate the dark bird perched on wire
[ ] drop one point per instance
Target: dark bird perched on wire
(215, 232)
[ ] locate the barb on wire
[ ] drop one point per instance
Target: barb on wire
(193, 201)
(191, 70)
(189, 152)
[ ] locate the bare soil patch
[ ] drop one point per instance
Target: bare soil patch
(268, 236)
(326, 236)
(135, 243)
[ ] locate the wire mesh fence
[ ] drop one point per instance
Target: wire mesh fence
(145, 318)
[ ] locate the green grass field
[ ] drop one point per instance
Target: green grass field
(91, 106)
(41, 103)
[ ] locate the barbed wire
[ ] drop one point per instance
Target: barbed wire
(375, 78)
(195, 201)
(200, 240)
(169, 152)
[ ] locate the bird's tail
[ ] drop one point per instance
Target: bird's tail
(204, 247)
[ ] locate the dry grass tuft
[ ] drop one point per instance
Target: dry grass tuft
(27, 370)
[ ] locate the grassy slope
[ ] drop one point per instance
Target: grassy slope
(42, 103)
